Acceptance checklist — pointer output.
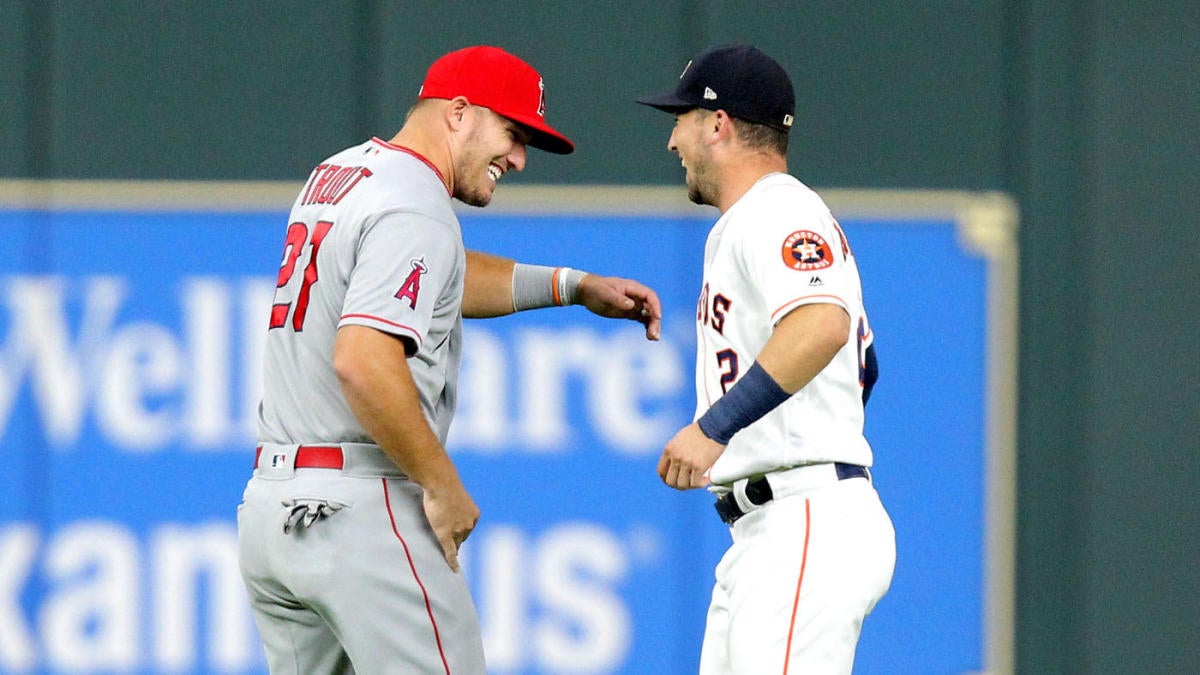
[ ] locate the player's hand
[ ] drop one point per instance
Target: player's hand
(452, 514)
(687, 458)
(617, 298)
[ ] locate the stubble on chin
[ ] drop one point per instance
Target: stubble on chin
(698, 194)
(477, 198)
(472, 193)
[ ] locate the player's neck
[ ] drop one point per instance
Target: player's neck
(741, 175)
(431, 147)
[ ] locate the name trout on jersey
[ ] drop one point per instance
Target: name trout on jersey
(330, 183)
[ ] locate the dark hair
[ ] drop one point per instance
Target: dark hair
(761, 136)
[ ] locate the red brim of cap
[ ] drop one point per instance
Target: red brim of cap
(542, 136)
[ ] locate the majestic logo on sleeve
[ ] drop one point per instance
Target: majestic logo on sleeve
(412, 285)
(804, 250)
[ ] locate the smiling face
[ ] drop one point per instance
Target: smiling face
(688, 141)
(493, 146)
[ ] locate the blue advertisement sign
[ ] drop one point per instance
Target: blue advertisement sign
(130, 343)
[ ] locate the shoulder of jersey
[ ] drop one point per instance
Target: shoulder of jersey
(782, 202)
(786, 187)
(397, 174)
(375, 178)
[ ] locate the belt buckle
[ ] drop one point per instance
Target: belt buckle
(847, 471)
(728, 509)
(757, 491)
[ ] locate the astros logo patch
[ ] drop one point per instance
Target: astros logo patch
(804, 250)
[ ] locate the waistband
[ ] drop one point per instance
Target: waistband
(749, 494)
(365, 460)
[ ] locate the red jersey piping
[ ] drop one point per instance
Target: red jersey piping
(414, 153)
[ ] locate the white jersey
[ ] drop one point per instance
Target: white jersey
(775, 249)
(373, 241)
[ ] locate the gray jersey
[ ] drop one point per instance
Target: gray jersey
(373, 241)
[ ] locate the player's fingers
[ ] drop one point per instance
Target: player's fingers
(649, 309)
(680, 476)
(646, 299)
(650, 301)
(450, 551)
(466, 532)
(608, 299)
(653, 324)
(621, 301)
(671, 476)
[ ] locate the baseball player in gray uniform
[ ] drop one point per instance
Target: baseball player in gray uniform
(784, 366)
(350, 526)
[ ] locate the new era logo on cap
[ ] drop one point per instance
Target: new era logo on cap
(709, 94)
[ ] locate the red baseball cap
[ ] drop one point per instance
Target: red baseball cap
(495, 79)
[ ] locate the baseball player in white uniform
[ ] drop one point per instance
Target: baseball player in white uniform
(784, 366)
(350, 526)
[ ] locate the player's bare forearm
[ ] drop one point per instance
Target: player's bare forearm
(687, 457)
(372, 368)
(489, 282)
(803, 343)
(487, 290)
(618, 298)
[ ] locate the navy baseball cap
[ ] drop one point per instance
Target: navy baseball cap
(739, 79)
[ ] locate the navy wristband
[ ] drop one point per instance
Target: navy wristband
(755, 395)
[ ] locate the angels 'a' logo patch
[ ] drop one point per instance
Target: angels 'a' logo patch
(412, 285)
(805, 250)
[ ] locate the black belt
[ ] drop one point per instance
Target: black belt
(758, 491)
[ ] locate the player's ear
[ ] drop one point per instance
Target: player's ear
(458, 112)
(720, 124)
